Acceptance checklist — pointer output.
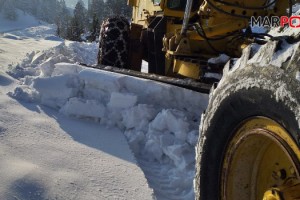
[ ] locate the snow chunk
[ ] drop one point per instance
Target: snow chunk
(177, 154)
(83, 108)
(135, 139)
(192, 137)
(66, 68)
(102, 80)
(284, 54)
(47, 68)
(139, 116)
(55, 91)
(38, 57)
(121, 101)
(171, 120)
(25, 93)
(154, 150)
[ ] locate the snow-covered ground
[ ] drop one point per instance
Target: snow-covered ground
(23, 21)
(63, 126)
(46, 155)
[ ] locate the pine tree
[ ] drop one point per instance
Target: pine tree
(78, 22)
(1, 4)
(97, 7)
(95, 30)
(34, 6)
(23, 5)
(62, 19)
(119, 7)
(9, 10)
(75, 30)
(80, 14)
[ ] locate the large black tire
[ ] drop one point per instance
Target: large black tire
(114, 42)
(245, 92)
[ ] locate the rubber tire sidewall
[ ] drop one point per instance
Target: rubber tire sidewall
(245, 93)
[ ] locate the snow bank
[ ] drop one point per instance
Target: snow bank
(279, 31)
(46, 63)
(160, 121)
(27, 27)
(23, 21)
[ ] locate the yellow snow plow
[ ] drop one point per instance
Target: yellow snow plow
(249, 136)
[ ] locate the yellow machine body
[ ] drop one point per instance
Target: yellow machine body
(220, 22)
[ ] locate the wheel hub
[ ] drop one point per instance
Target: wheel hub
(261, 159)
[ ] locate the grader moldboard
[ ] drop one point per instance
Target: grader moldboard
(249, 136)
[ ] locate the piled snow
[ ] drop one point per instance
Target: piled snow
(160, 121)
(23, 21)
(43, 63)
(287, 30)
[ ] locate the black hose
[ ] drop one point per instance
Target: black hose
(206, 38)
(214, 38)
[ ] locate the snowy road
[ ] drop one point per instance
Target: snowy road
(45, 155)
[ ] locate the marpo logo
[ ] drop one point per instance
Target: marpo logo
(275, 21)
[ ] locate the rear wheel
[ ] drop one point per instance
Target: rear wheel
(249, 147)
(113, 45)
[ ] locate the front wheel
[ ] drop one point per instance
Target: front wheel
(114, 42)
(249, 144)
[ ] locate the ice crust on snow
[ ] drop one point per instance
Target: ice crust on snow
(160, 121)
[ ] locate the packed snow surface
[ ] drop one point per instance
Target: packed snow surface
(65, 101)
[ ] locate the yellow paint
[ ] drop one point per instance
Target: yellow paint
(215, 24)
(188, 69)
(271, 195)
(260, 155)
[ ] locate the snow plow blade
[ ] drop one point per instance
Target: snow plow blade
(183, 83)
